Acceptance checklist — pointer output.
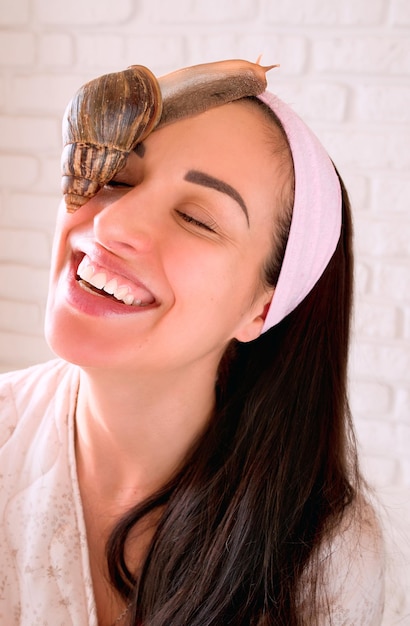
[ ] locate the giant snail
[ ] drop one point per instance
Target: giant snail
(110, 115)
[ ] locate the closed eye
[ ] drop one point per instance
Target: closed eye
(116, 184)
(192, 220)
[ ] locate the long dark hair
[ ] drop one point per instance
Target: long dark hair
(265, 483)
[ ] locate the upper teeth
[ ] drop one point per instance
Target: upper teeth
(99, 280)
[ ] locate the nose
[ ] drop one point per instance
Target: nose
(125, 225)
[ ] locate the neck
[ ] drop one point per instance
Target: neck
(132, 435)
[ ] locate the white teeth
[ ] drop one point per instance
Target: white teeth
(111, 287)
(86, 273)
(128, 299)
(99, 280)
(121, 292)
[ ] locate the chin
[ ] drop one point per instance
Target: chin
(68, 340)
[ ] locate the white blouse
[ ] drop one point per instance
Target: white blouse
(45, 577)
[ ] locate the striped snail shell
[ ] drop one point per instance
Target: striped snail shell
(110, 115)
(104, 121)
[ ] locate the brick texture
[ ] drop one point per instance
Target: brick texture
(78, 12)
(17, 49)
(345, 68)
(14, 13)
(368, 55)
(320, 13)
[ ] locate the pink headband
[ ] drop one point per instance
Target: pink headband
(316, 219)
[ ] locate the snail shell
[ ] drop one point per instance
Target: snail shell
(104, 121)
(110, 115)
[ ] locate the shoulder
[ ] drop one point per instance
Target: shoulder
(28, 392)
(22, 378)
(351, 562)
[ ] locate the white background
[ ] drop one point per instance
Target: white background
(345, 67)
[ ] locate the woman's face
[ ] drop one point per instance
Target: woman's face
(180, 236)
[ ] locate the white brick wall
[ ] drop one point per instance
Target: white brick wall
(345, 66)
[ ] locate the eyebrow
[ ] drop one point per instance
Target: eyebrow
(200, 178)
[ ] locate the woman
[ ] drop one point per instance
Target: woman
(189, 458)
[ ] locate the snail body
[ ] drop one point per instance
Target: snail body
(196, 89)
(110, 115)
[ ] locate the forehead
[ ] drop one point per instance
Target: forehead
(229, 125)
(237, 140)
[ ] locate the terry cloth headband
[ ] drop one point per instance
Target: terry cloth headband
(316, 218)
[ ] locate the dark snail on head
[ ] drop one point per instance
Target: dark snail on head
(110, 115)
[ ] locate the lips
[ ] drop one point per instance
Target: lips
(95, 278)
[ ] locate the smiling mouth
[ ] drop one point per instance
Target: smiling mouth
(96, 280)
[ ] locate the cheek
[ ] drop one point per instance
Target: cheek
(57, 328)
(203, 273)
(218, 291)
(64, 222)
